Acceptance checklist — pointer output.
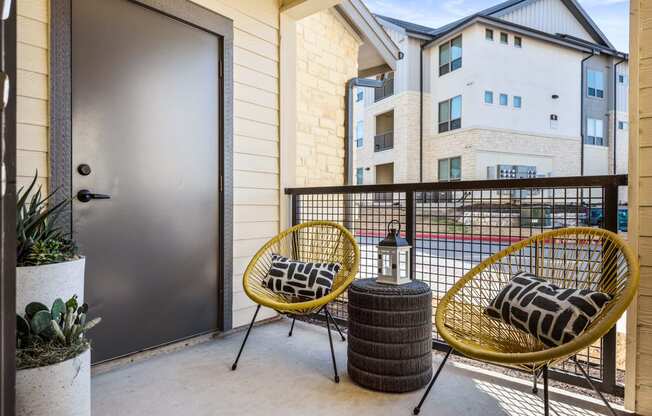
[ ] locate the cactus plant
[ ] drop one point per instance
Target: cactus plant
(39, 239)
(46, 336)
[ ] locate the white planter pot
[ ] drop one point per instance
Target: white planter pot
(48, 282)
(62, 389)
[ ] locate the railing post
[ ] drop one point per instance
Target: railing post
(411, 230)
(608, 350)
(295, 209)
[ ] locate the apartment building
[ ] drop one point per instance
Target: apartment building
(527, 88)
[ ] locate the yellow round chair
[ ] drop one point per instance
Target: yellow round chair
(580, 257)
(312, 241)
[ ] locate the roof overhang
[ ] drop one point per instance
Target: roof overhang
(378, 52)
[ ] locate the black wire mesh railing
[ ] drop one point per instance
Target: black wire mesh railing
(453, 226)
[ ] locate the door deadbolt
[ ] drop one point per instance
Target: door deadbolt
(84, 169)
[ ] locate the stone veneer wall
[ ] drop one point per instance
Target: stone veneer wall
(327, 56)
(564, 152)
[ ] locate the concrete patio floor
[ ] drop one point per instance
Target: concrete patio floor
(285, 376)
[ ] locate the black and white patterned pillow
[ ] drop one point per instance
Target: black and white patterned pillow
(552, 314)
(304, 280)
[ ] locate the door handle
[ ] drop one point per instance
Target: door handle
(85, 195)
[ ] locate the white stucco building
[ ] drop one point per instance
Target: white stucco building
(526, 88)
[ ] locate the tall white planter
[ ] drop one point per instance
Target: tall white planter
(48, 282)
(62, 389)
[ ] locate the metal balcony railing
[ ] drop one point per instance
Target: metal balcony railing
(384, 141)
(385, 91)
(453, 226)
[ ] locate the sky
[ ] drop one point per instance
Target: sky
(611, 16)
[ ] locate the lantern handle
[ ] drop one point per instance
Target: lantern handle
(389, 224)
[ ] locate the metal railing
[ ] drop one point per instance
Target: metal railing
(384, 141)
(452, 226)
(385, 91)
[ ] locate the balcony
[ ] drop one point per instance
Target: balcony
(385, 91)
(472, 221)
(384, 141)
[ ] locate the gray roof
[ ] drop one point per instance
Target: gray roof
(573, 6)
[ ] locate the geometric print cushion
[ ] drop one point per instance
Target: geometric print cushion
(304, 280)
(552, 314)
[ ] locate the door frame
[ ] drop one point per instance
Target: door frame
(61, 169)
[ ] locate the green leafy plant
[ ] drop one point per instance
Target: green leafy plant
(46, 336)
(39, 239)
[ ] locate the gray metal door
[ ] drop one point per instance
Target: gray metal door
(145, 121)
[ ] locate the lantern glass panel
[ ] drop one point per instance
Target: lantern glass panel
(403, 273)
(387, 263)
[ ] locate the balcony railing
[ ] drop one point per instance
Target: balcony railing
(385, 91)
(384, 141)
(453, 226)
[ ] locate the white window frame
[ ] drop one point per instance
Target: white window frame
(520, 102)
(450, 123)
(597, 87)
(490, 94)
(500, 99)
(500, 39)
(359, 134)
(489, 34)
(451, 64)
(448, 161)
(595, 132)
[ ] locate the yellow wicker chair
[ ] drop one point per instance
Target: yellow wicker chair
(312, 241)
(584, 258)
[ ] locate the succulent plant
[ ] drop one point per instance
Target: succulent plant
(48, 335)
(39, 239)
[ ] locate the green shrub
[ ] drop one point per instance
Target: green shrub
(39, 239)
(46, 336)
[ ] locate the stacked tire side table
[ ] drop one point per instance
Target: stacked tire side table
(390, 335)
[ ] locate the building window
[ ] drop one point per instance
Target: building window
(450, 169)
(489, 34)
(359, 134)
(622, 125)
(360, 96)
(594, 132)
(503, 99)
(450, 56)
(621, 79)
(359, 175)
(518, 41)
(517, 101)
(488, 97)
(595, 83)
(450, 114)
(504, 39)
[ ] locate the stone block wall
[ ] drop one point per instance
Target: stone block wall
(327, 56)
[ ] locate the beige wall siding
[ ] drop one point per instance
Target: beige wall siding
(32, 90)
(638, 391)
(327, 56)
(256, 123)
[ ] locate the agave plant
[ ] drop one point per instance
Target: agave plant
(39, 239)
(46, 336)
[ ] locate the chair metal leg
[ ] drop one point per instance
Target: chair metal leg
(235, 364)
(593, 386)
(294, 318)
(330, 340)
(432, 382)
(535, 379)
(546, 405)
(335, 323)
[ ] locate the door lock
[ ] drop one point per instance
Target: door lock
(85, 195)
(84, 169)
